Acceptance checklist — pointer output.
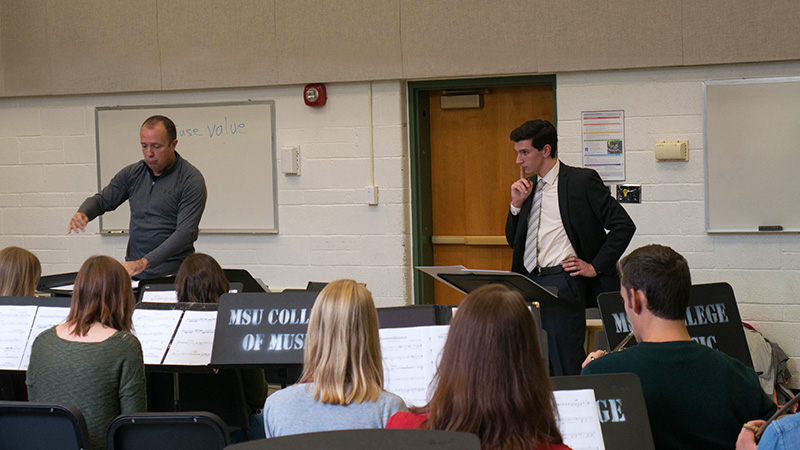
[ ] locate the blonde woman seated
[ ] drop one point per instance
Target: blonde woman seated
(92, 361)
(20, 271)
(492, 380)
(342, 382)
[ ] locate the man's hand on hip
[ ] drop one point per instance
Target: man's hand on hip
(576, 266)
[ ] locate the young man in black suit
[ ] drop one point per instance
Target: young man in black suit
(557, 226)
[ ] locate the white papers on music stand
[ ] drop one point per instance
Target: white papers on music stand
(15, 325)
(155, 328)
(160, 296)
(46, 317)
(68, 288)
(194, 340)
(578, 420)
(410, 358)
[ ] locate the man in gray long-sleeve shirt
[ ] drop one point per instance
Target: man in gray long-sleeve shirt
(167, 197)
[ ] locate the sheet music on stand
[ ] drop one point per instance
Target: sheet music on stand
(410, 359)
(179, 334)
(467, 280)
(578, 420)
(22, 319)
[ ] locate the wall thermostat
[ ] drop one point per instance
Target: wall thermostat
(672, 150)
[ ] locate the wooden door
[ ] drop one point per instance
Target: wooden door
(472, 168)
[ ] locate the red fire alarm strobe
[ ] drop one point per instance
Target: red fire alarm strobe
(314, 95)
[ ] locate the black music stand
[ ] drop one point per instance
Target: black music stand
(414, 316)
(47, 283)
(249, 284)
(235, 287)
(530, 290)
(712, 313)
(620, 402)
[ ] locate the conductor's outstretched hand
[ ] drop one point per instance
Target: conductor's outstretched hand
(78, 223)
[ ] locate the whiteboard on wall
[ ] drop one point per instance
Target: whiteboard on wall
(232, 144)
(752, 132)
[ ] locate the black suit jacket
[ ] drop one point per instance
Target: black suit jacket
(587, 211)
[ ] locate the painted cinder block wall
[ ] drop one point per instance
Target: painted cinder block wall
(47, 167)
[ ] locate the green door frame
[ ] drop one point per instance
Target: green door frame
(419, 139)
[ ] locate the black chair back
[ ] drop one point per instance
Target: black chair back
(370, 439)
(175, 431)
(42, 426)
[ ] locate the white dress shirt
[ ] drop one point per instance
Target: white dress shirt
(554, 245)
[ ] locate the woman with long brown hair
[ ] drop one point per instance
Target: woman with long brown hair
(492, 380)
(92, 361)
(201, 279)
(20, 271)
(342, 383)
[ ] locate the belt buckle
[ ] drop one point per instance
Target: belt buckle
(536, 271)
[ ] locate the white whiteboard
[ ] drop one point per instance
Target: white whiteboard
(752, 154)
(232, 144)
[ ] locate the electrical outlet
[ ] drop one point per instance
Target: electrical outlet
(629, 193)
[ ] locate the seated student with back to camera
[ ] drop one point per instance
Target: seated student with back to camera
(492, 380)
(696, 397)
(20, 271)
(782, 434)
(341, 387)
(200, 279)
(92, 361)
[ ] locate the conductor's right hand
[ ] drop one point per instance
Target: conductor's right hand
(78, 223)
(521, 189)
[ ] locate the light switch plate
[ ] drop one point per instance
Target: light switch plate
(629, 193)
(290, 160)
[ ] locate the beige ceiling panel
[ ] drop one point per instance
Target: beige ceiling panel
(23, 48)
(213, 44)
(338, 40)
(732, 31)
(448, 38)
(607, 34)
(103, 46)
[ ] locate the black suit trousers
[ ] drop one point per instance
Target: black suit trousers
(564, 319)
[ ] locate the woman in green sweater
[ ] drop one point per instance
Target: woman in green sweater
(92, 361)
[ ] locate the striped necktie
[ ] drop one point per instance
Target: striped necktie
(532, 239)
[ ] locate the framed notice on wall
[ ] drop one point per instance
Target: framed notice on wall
(603, 143)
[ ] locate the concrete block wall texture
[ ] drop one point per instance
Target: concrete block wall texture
(48, 166)
(660, 104)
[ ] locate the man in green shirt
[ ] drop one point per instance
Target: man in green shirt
(696, 397)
